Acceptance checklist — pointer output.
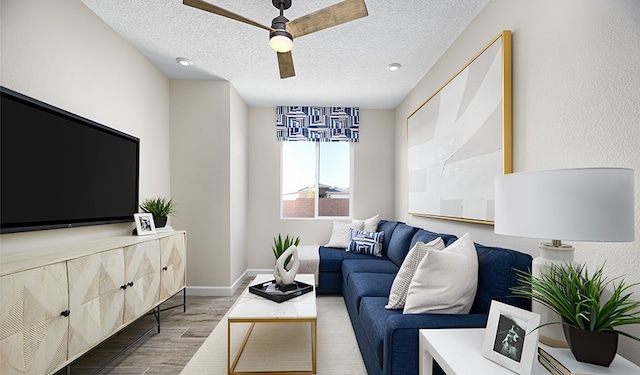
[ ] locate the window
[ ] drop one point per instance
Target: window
(316, 179)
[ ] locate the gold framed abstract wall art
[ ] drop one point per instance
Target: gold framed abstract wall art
(459, 140)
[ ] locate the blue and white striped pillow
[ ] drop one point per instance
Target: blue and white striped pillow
(366, 242)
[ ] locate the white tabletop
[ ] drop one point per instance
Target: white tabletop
(252, 306)
(458, 351)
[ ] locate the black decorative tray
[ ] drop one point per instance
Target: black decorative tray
(270, 291)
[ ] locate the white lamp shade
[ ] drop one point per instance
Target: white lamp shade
(582, 204)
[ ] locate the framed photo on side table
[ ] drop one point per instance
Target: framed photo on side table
(511, 338)
(144, 224)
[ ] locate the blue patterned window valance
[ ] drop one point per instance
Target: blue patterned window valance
(318, 124)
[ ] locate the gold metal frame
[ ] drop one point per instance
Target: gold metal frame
(252, 321)
(507, 151)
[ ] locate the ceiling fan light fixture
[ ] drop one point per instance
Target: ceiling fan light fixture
(280, 41)
(282, 31)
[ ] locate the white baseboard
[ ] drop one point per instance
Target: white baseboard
(224, 291)
(255, 272)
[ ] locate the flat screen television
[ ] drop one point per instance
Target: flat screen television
(61, 170)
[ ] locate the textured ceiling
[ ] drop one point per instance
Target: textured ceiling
(340, 66)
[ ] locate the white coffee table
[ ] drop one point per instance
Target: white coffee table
(458, 352)
(253, 309)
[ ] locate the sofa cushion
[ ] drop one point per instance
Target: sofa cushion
(496, 276)
(399, 244)
(366, 285)
(350, 255)
(374, 317)
(329, 283)
(331, 258)
(398, 294)
(423, 235)
(340, 235)
(445, 281)
(372, 265)
(369, 243)
(387, 227)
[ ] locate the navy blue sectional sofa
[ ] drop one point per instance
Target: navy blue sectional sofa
(388, 339)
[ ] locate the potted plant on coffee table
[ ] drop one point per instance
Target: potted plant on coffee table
(160, 208)
(287, 262)
(589, 322)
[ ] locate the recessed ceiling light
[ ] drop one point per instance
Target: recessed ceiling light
(394, 67)
(184, 61)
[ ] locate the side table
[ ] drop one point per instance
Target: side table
(458, 352)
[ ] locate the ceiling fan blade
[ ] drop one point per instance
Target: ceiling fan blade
(285, 63)
(202, 5)
(330, 16)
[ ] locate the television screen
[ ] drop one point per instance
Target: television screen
(61, 170)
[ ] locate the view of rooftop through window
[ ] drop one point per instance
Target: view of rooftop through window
(315, 179)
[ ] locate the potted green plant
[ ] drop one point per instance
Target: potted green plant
(280, 245)
(160, 208)
(287, 262)
(589, 322)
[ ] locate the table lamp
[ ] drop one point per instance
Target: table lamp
(580, 204)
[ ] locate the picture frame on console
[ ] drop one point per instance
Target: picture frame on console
(144, 224)
(459, 140)
(511, 337)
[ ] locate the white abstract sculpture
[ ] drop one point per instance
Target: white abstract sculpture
(280, 273)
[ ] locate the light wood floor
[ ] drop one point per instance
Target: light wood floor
(166, 352)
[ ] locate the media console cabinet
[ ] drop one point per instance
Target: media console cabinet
(57, 304)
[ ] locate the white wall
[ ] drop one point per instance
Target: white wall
(576, 96)
(372, 183)
(239, 187)
(84, 67)
(200, 181)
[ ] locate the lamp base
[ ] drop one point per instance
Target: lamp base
(551, 335)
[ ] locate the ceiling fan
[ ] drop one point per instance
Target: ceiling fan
(282, 31)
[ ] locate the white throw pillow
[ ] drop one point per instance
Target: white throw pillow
(370, 224)
(400, 286)
(445, 281)
(340, 235)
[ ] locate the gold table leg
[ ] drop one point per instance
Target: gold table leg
(232, 365)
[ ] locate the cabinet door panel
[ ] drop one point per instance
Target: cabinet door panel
(96, 299)
(33, 334)
(173, 261)
(142, 269)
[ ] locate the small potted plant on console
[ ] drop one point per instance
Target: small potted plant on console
(160, 208)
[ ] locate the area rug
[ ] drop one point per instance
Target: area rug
(337, 350)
